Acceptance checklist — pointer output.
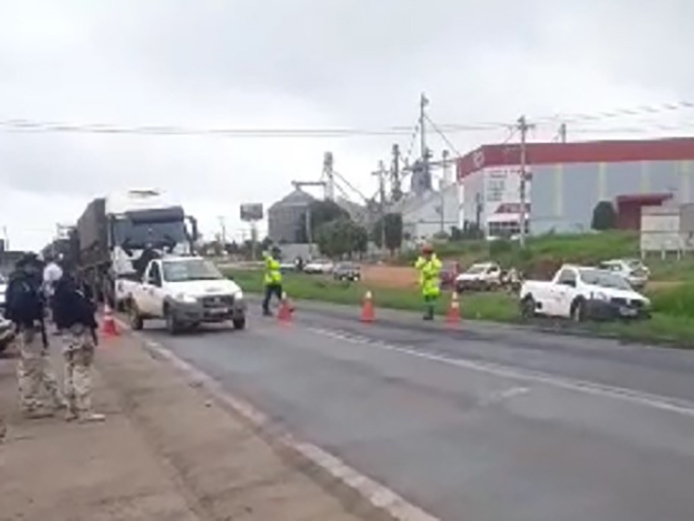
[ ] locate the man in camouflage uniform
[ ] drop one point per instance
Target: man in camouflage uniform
(73, 313)
(25, 308)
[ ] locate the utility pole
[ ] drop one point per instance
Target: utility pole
(423, 102)
(223, 236)
(523, 128)
(562, 133)
(444, 186)
(381, 174)
(329, 176)
(395, 181)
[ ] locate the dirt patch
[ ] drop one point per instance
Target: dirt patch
(390, 276)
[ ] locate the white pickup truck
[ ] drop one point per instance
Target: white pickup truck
(582, 293)
(186, 292)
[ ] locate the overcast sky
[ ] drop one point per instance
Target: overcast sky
(305, 64)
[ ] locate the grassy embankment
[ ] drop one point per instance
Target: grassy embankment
(672, 321)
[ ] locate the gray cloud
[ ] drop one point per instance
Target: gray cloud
(306, 63)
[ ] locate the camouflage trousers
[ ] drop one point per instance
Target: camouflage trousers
(79, 357)
(34, 372)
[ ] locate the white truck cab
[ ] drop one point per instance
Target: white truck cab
(186, 292)
(580, 292)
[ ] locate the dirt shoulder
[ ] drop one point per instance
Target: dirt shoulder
(166, 452)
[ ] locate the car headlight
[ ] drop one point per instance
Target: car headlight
(185, 298)
(599, 295)
(238, 295)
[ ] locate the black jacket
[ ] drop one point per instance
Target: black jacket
(71, 306)
(19, 308)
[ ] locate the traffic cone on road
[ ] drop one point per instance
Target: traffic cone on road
(285, 311)
(108, 327)
(453, 315)
(368, 314)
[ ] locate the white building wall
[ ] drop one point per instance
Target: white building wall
(422, 220)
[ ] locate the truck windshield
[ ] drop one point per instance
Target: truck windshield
(194, 269)
(476, 269)
(137, 235)
(603, 279)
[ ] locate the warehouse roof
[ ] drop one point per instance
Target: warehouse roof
(671, 149)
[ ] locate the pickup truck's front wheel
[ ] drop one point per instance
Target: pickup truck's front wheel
(579, 310)
(172, 325)
(239, 323)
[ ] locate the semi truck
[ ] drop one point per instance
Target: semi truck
(119, 234)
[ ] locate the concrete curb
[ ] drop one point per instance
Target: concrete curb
(356, 490)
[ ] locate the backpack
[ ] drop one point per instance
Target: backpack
(24, 301)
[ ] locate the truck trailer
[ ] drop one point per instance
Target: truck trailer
(120, 233)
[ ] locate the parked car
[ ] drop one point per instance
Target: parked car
(581, 293)
(481, 276)
(633, 270)
(347, 271)
(319, 266)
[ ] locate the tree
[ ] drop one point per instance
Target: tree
(604, 216)
(393, 233)
(320, 213)
(341, 237)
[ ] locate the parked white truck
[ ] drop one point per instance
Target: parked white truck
(582, 293)
(186, 292)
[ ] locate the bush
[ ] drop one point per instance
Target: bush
(677, 301)
(604, 216)
(500, 247)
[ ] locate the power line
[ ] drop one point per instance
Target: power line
(33, 126)
(443, 136)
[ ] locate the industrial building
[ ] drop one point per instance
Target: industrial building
(566, 180)
(287, 216)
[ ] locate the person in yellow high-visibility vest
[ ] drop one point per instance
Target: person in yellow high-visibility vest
(272, 279)
(429, 267)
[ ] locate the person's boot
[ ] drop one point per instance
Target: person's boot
(267, 313)
(429, 315)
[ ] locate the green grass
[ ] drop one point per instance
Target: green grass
(480, 306)
(672, 321)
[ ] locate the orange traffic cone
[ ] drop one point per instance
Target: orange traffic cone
(367, 309)
(285, 311)
(453, 315)
(108, 327)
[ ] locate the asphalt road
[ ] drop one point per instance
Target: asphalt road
(480, 423)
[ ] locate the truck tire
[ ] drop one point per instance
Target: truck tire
(172, 325)
(578, 310)
(239, 323)
(528, 307)
(136, 321)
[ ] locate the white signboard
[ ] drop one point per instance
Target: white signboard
(502, 191)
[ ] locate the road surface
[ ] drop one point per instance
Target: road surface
(483, 423)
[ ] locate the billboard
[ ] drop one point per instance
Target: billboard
(502, 187)
(252, 212)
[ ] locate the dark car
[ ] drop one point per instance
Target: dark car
(347, 271)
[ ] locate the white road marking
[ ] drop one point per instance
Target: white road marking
(664, 403)
(500, 396)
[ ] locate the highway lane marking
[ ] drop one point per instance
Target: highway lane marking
(664, 403)
(377, 495)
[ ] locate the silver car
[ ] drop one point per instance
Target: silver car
(632, 270)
